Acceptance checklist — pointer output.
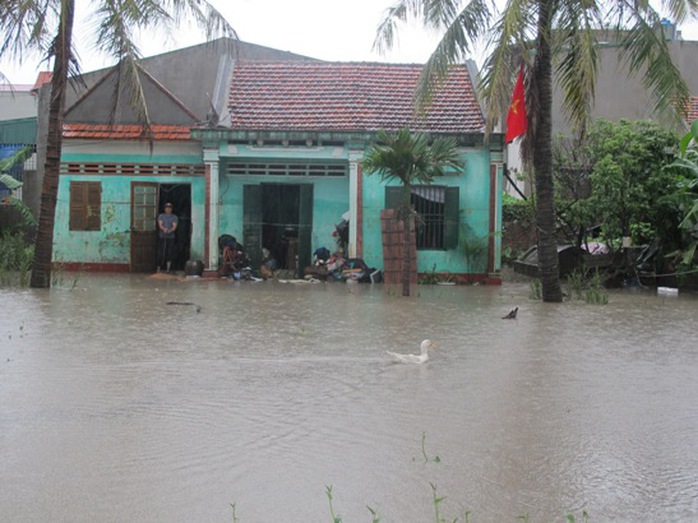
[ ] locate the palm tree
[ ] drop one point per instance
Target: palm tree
(46, 27)
(409, 159)
(552, 38)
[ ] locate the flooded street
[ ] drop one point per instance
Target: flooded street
(115, 406)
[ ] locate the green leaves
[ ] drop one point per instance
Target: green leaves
(411, 158)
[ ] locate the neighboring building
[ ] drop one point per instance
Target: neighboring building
(269, 152)
(17, 101)
(115, 175)
(620, 95)
(18, 121)
(692, 113)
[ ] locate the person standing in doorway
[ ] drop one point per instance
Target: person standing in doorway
(167, 225)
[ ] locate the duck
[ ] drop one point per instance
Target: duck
(511, 315)
(414, 358)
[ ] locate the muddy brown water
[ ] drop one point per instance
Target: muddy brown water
(115, 406)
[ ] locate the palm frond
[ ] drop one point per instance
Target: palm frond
(644, 48)
(386, 31)
(680, 11)
(510, 47)
(410, 158)
(462, 33)
(576, 57)
(24, 27)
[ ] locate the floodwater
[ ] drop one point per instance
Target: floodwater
(115, 406)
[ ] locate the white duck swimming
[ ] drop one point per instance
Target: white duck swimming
(413, 358)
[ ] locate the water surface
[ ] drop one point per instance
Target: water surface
(115, 406)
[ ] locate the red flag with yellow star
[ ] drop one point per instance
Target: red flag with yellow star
(516, 118)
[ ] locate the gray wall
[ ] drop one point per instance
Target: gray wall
(619, 95)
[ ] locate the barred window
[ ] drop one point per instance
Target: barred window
(85, 206)
(438, 210)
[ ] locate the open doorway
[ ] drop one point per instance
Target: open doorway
(179, 195)
(278, 218)
(280, 212)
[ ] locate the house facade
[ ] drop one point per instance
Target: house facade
(273, 158)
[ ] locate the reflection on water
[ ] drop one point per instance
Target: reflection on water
(115, 406)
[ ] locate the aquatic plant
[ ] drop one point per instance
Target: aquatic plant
(587, 287)
(536, 290)
(335, 518)
(435, 459)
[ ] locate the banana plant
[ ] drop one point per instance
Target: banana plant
(5, 165)
(687, 164)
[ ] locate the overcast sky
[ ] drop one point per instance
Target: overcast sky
(341, 30)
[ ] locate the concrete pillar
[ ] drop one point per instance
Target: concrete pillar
(211, 159)
(355, 196)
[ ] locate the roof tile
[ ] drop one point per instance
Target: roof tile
(693, 110)
(126, 132)
(347, 96)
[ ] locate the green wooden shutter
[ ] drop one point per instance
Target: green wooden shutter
(451, 217)
(252, 223)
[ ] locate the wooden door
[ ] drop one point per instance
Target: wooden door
(144, 236)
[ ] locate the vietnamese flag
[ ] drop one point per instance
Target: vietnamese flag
(516, 118)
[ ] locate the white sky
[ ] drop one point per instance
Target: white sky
(341, 30)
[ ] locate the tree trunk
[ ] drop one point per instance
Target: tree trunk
(548, 263)
(43, 245)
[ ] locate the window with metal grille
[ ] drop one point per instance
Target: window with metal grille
(85, 206)
(438, 214)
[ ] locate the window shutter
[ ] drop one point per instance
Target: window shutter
(85, 206)
(77, 203)
(451, 217)
(393, 196)
(93, 218)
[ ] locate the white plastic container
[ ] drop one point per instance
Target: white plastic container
(667, 291)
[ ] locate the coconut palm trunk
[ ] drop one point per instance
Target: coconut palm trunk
(548, 263)
(43, 245)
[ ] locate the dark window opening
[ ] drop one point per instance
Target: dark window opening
(437, 207)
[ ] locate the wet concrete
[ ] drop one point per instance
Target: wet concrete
(115, 406)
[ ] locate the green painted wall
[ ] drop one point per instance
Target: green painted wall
(331, 200)
(474, 219)
(113, 243)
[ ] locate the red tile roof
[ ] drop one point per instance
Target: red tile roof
(126, 132)
(347, 96)
(692, 110)
(43, 78)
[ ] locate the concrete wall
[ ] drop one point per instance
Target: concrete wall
(619, 95)
(474, 216)
(331, 200)
(17, 103)
(112, 244)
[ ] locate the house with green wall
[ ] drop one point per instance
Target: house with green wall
(272, 157)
